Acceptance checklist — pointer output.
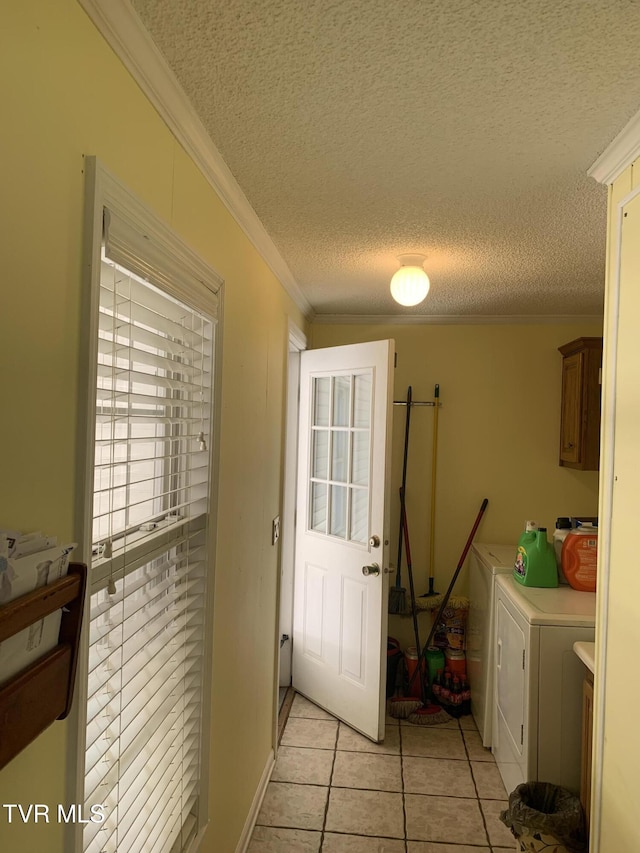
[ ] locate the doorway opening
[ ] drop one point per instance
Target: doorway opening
(297, 343)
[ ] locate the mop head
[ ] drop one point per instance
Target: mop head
(429, 715)
(433, 602)
(429, 602)
(401, 707)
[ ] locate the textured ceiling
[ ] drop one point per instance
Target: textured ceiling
(462, 129)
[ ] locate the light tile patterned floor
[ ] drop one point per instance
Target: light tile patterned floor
(425, 789)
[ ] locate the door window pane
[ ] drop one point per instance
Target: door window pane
(319, 507)
(341, 400)
(338, 511)
(322, 387)
(359, 515)
(319, 469)
(360, 459)
(339, 456)
(362, 400)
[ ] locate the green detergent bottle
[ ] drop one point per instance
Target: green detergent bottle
(526, 538)
(536, 560)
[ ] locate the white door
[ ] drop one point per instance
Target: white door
(342, 533)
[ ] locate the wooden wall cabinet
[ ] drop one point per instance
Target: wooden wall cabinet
(580, 419)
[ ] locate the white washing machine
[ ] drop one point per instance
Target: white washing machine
(486, 562)
(537, 709)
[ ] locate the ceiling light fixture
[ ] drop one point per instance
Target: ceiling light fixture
(410, 284)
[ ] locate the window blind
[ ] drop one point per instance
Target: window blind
(147, 608)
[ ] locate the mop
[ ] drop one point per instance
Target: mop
(401, 707)
(433, 597)
(397, 593)
(427, 714)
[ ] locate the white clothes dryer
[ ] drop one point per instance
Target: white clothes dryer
(537, 708)
(486, 562)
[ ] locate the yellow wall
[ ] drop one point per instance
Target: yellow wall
(64, 94)
(620, 635)
(498, 436)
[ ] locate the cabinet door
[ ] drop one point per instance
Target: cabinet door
(572, 408)
(587, 734)
(510, 675)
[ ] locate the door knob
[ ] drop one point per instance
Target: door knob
(374, 542)
(373, 569)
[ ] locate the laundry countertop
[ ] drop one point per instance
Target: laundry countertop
(587, 654)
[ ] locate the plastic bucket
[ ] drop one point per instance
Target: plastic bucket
(411, 662)
(435, 661)
(456, 662)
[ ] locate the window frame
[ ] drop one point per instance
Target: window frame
(168, 253)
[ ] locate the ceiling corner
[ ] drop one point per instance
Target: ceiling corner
(624, 149)
(121, 27)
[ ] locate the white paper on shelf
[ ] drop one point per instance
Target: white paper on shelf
(31, 546)
(12, 537)
(23, 649)
(23, 575)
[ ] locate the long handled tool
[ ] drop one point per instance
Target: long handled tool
(434, 461)
(429, 714)
(423, 653)
(397, 593)
(412, 594)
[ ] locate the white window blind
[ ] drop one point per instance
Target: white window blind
(150, 526)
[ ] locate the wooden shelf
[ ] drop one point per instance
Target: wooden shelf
(34, 698)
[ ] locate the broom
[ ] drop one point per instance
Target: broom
(397, 593)
(401, 707)
(419, 711)
(422, 655)
(428, 714)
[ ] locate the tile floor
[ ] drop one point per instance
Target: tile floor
(425, 789)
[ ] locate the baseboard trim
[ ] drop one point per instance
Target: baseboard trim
(250, 822)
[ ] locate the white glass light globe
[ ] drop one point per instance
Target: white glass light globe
(410, 285)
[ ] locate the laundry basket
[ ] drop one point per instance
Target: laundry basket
(546, 817)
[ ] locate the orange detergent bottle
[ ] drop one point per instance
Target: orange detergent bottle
(580, 557)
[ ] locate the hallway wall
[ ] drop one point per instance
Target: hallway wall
(65, 95)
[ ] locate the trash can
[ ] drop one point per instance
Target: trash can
(547, 817)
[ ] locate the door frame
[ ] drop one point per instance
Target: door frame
(297, 343)
(605, 509)
(340, 620)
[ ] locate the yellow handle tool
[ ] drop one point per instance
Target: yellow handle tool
(434, 459)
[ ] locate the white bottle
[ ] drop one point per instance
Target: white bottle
(563, 528)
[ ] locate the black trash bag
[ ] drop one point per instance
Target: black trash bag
(548, 810)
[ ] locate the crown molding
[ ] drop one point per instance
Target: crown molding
(122, 29)
(453, 319)
(624, 149)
